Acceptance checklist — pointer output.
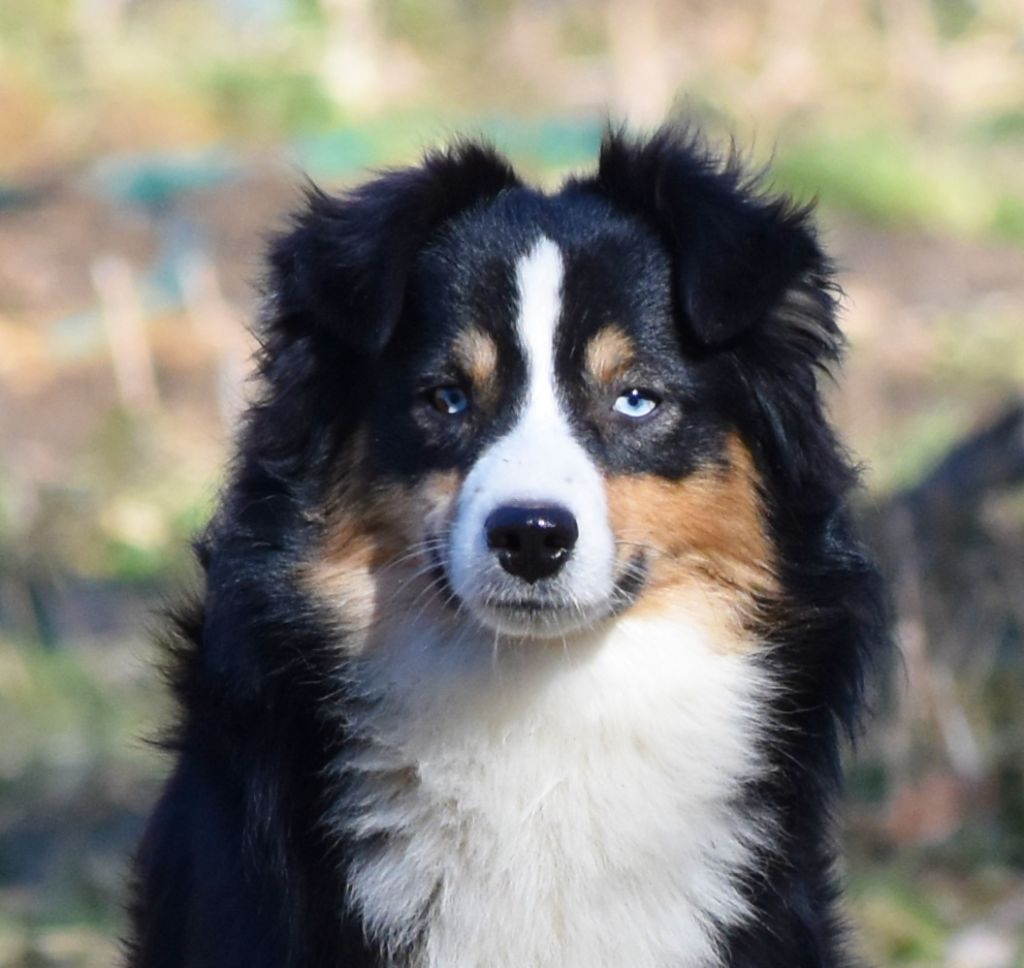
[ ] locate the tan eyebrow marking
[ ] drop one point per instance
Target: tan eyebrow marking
(609, 353)
(477, 353)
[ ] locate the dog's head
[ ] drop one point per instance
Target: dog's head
(539, 411)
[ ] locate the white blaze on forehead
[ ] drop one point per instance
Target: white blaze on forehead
(539, 281)
(539, 461)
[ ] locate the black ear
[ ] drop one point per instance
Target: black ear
(342, 268)
(736, 251)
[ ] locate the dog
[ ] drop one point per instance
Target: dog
(533, 620)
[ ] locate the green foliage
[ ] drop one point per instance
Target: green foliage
(954, 17)
(70, 709)
(914, 444)
(885, 175)
(1008, 218)
(36, 21)
(75, 776)
(898, 925)
(126, 511)
(1004, 126)
(550, 144)
(342, 151)
(309, 13)
(265, 99)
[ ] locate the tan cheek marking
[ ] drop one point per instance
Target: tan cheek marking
(477, 354)
(608, 354)
(362, 569)
(706, 534)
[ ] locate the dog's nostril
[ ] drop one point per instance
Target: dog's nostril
(503, 539)
(559, 541)
(531, 542)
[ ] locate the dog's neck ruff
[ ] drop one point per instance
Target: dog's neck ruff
(541, 807)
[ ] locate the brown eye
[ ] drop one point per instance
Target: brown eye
(449, 400)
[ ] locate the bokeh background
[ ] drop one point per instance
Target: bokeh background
(148, 147)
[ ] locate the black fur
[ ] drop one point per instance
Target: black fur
(237, 867)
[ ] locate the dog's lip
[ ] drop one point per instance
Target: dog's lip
(532, 605)
(629, 585)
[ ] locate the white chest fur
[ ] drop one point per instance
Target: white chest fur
(542, 807)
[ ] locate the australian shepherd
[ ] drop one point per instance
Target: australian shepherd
(532, 619)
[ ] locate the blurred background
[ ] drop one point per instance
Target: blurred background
(147, 149)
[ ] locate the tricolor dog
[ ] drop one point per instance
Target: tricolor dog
(532, 619)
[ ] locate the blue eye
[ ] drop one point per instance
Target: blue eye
(635, 403)
(449, 400)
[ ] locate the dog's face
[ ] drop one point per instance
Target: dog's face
(545, 434)
(538, 387)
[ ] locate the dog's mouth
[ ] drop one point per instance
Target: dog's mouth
(545, 612)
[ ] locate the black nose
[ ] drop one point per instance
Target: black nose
(532, 542)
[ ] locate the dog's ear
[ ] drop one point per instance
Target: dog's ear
(735, 251)
(342, 268)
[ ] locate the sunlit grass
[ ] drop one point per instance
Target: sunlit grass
(886, 175)
(76, 777)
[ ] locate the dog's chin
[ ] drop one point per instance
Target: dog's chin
(535, 619)
(530, 614)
